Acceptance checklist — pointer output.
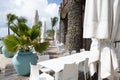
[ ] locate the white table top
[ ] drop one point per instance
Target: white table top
(57, 64)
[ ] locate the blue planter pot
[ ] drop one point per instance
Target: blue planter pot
(0, 50)
(6, 53)
(21, 62)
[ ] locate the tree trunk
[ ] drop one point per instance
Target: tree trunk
(53, 34)
(8, 31)
(74, 40)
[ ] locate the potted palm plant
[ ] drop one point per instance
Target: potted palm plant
(22, 42)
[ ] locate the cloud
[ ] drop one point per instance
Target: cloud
(27, 9)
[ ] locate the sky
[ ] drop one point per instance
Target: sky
(26, 8)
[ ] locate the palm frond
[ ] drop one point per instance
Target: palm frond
(11, 43)
(14, 29)
(41, 47)
(34, 32)
(11, 17)
(23, 28)
(22, 19)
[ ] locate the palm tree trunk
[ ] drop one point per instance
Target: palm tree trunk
(74, 40)
(8, 31)
(53, 33)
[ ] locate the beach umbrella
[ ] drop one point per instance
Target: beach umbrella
(43, 32)
(36, 18)
(101, 24)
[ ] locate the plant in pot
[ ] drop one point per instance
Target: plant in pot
(21, 42)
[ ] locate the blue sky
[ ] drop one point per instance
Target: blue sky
(27, 8)
(55, 1)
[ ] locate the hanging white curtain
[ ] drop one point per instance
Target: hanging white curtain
(101, 23)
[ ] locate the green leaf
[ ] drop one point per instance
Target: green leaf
(11, 43)
(36, 27)
(11, 17)
(41, 47)
(14, 29)
(34, 32)
(22, 19)
(23, 28)
(23, 40)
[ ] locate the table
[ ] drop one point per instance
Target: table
(57, 64)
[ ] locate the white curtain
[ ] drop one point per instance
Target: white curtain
(101, 23)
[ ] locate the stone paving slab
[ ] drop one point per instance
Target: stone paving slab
(12, 77)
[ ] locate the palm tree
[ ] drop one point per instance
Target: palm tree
(75, 29)
(54, 21)
(74, 38)
(10, 18)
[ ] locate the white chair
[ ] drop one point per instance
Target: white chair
(43, 58)
(73, 51)
(66, 54)
(70, 72)
(83, 67)
(60, 47)
(86, 68)
(81, 50)
(34, 74)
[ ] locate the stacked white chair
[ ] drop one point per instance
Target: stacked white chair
(66, 54)
(60, 47)
(73, 51)
(81, 50)
(34, 74)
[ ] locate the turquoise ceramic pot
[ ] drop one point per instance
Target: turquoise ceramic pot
(21, 62)
(0, 50)
(6, 53)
